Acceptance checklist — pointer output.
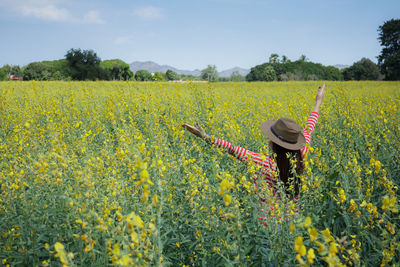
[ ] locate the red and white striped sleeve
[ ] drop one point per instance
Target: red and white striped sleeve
(307, 132)
(242, 153)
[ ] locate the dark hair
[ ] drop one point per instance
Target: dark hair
(286, 174)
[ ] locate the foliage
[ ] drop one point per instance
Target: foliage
(210, 73)
(264, 72)
(159, 76)
(270, 74)
(117, 69)
(84, 65)
(171, 75)
(297, 70)
(389, 59)
(101, 173)
(364, 69)
(143, 75)
(46, 70)
(11, 70)
(3, 75)
(274, 58)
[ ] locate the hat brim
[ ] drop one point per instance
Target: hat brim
(266, 129)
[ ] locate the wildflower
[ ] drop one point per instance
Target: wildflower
(135, 220)
(299, 246)
(385, 203)
(135, 238)
(311, 256)
(125, 261)
(353, 206)
(342, 195)
(327, 234)
(225, 185)
(307, 222)
(333, 248)
(390, 227)
(227, 199)
(292, 228)
(313, 233)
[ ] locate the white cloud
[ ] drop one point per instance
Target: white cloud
(149, 12)
(93, 16)
(49, 10)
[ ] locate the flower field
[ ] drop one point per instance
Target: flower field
(102, 173)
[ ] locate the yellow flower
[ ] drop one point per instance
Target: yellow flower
(116, 250)
(135, 238)
(307, 222)
(125, 261)
(333, 248)
(342, 195)
(321, 246)
(225, 185)
(385, 203)
(327, 234)
(299, 246)
(58, 246)
(292, 228)
(227, 199)
(311, 256)
(313, 234)
(135, 220)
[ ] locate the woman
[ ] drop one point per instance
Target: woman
(287, 141)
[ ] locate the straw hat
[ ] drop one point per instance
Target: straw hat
(284, 132)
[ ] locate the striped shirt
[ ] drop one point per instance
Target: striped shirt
(267, 168)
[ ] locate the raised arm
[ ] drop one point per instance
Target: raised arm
(239, 152)
(313, 118)
(319, 98)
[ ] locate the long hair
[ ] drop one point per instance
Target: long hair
(283, 157)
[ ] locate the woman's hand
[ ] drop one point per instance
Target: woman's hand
(197, 131)
(319, 98)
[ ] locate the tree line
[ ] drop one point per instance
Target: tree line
(86, 65)
(77, 65)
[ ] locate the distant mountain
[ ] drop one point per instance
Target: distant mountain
(227, 73)
(154, 67)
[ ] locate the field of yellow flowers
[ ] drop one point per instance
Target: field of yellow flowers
(101, 173)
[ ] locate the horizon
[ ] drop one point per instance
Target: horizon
(224, 33)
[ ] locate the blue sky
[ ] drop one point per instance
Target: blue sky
(190, 34)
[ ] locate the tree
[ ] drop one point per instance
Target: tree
(303, 58)
(389, 59)
(269, 74)
(143, 75)
(364, 69)
(34, 70)
(285, 59)
(263, 72)
(84, 65)
(3, 75)
(46, 70)
(210, 73)
(117, 69)
(332, 73)
(273, 58)
(12, 70)
(159, 76)
(171, 75)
